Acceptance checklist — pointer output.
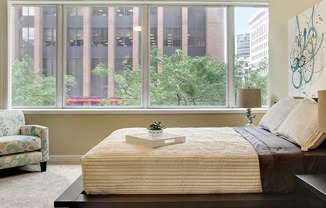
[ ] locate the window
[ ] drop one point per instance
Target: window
(104, 63)
(124, 36)
(251, 51)
(124, 11)
(100, 11)
(99, 36)
(75, 36)
(187, 73)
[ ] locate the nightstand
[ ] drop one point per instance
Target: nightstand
(310, 191)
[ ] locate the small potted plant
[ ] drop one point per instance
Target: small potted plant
(155, 130)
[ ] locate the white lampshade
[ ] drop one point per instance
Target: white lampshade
(248, 98)
(322, 110)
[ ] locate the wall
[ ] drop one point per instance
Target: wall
(75, 134)
(3, 44)
(280, 12)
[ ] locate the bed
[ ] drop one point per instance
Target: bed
(252, 166)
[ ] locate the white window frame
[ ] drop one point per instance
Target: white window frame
(5, 94)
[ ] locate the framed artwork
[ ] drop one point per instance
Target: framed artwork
(307, 51)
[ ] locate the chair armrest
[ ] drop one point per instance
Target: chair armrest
(38, 131)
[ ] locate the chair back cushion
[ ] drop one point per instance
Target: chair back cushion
(10, 122)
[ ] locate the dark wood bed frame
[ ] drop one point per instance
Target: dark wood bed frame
(75, 197)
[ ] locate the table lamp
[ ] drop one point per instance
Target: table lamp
(249, 98)
(322, 110)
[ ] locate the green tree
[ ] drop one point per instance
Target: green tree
(127, 84)
(33, 88)
(187, 81)
(184, 80)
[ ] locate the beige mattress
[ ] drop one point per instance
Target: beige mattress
(212, 160)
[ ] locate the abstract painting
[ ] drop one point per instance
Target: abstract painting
(307, 51)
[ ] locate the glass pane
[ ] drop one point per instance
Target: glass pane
(103, 56)
(188, 56)
(251, 51)
(34, 56)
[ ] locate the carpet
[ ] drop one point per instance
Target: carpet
(28, 187)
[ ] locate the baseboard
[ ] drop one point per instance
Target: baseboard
(65, 158)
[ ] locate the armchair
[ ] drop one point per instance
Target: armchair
(22, 144)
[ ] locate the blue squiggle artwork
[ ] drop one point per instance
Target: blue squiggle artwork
(307, 52)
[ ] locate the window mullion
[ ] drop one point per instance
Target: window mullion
(230, 57)
(60, 58)
(145, 51)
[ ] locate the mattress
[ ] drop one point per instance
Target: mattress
(212, 160)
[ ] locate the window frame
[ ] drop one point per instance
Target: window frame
(146, 6)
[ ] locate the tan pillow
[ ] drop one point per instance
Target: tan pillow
(278, 113)
(301, 125)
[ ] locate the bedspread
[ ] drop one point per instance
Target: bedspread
(280, 160)
(212, 160)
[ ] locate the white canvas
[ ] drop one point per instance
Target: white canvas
(307, 51)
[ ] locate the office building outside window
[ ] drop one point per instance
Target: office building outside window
(102, 54)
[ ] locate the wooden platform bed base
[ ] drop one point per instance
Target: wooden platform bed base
(75, 197)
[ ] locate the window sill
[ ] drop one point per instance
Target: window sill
(144, 111)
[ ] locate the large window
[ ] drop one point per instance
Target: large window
(144, 56)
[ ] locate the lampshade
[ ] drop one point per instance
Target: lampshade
(248, 98)
(322, 110)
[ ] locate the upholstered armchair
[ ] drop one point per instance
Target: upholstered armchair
(22, 144)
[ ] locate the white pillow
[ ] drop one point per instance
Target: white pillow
(301, 125)
(278, 113)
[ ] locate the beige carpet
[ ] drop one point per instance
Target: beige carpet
(28, 187)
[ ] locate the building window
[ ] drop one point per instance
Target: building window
(49, 37)
(124, 11)
(124, 36)
(75, 36)
(100, 36)
(27, 11)
(104, 61)
(196, 27)
(75, 11)
(27, 39)
(100, 11)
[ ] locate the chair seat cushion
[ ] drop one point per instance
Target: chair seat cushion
(19, 143)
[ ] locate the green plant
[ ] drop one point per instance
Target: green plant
(156, 126)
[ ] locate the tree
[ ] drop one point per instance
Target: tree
(33, 88)
(127, 84)
(183, 80)
(187, 81)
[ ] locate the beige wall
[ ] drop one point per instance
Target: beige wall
(280, 11)
(75, 134)
(3, 45)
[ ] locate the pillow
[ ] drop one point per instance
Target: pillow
(277, 114)
(301, 125)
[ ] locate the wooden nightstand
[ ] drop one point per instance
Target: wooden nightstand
(310, 191)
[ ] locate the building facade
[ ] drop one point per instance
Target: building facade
(258, 37)
(109, 36)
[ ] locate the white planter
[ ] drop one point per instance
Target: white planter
(155, 134)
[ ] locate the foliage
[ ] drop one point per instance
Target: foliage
(33, 88)
(187, 81)
(101, 70)
(176, 80)
(156, 126)
(182, 80)
(127, 84)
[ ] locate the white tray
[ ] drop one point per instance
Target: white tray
(146, 140)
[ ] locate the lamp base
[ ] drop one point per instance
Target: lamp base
(249, 117)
